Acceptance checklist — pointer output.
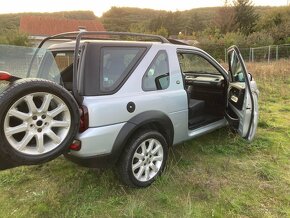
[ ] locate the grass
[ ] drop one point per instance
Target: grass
(216, 175)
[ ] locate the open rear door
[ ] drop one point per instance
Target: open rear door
(242, 109)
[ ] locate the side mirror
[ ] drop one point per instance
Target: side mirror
(250, 76)
(162, 81)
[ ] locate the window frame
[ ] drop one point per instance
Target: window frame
(206, 56)
(234, 75)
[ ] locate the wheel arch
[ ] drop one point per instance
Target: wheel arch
(155, 120)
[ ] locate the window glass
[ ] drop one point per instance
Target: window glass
(116, 63)
(157, 75)
(236, 68)
(193, 63)
(63, 59)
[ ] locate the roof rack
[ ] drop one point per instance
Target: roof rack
(78, 35)
(177, 42)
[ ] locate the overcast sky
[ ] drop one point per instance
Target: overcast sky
(101, 6)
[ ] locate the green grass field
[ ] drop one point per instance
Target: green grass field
(216, 175)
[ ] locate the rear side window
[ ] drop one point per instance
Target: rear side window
(63, 59)
(157, 75)
(116, 64)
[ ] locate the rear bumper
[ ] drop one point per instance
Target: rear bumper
(98, 147)
(97, 141)
(98, 161)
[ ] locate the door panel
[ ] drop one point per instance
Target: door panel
(242, 109)
(237, 96)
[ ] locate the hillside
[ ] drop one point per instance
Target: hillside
(126, 18)
(214, 28)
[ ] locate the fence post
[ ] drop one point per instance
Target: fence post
(226, 55)
(252, 54)
(269, 53)
(277, 52)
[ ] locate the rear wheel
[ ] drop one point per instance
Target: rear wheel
(143, 160)
(38, 120)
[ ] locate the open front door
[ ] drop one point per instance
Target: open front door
(242, 108)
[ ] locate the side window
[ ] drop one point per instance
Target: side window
(63, 59)
(116, 63)
(236, 68)
(193, 63)
(157, 75)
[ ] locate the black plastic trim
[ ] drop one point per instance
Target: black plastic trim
(98, 161)
(233, 122)
(139, 121)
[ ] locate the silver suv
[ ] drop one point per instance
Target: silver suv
(123, 103)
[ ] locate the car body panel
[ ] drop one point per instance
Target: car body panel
(248, 111)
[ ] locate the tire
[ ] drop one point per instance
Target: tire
(38, 121)
(145, 150)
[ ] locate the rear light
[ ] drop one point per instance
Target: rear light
(84, 119)
(76, 145)
(5, 76)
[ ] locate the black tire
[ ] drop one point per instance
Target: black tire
(126, 161)
(18, 91)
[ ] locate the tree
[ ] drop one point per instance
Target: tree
(225, 19)
(162, 31)
(245, 16)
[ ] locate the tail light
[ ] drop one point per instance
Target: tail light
(5, 76)
(84, 119)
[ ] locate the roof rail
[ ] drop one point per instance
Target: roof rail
(177, 42)
(75, 35)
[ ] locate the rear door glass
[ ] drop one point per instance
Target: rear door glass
(63, 59)
(27, 62)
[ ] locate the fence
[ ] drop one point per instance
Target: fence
(265, 53)
(255, 54)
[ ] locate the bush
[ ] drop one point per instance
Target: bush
(15, 38)
(259, 39)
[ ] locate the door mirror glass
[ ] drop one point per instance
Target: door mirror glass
(236, 69)
(162, 81)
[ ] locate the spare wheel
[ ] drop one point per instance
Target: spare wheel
(38, 121)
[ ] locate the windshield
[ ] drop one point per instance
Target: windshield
(26, 62)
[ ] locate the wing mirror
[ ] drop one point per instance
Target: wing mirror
(162, 81)
(250, 76)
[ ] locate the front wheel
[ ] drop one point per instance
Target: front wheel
(144, 159)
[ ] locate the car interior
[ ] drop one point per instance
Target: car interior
(206, 90)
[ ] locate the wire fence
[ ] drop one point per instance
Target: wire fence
(265, 53)
(254, 54)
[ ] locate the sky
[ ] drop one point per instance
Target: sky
(101, 6)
